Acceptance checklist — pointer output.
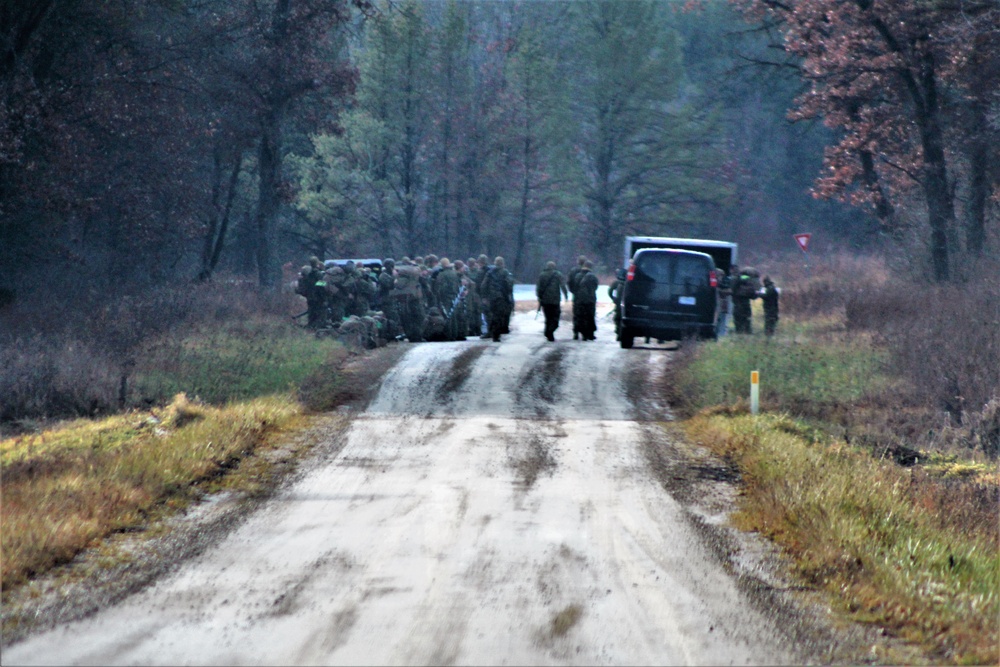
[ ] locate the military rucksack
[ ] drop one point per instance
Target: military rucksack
(366, 288)
(408, 280)
(334, 278)
(747, 284)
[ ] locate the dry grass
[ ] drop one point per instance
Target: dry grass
(66, 488)
(908, 549)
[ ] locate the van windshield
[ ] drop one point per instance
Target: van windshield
(676, 268)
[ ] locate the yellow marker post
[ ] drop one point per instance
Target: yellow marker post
(754, 392)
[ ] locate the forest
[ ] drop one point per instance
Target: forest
(148, 142)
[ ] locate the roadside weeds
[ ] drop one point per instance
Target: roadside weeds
(864, 531)
(76, 498)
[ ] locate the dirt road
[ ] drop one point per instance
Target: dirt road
(492, 505)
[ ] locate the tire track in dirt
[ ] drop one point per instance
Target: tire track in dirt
(493, 505)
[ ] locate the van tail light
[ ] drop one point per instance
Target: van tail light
(713, 278)
(631, 272)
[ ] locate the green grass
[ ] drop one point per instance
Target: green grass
(870, 533)
(792, 371)
(234, 364)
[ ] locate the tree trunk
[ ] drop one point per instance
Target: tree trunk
(979, 185)
(940, 204)
(269, 166)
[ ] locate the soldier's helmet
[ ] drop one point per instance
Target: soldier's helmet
(445, 263)
(498, 262)
(389, 263)
(314, 261)
(484, 260)
(349, 266)
(767, 281)
(305, 269)
(550, 265)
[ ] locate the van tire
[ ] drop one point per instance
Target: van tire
(627, 339)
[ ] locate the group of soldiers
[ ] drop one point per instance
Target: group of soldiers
(743, 286)
(425, 298)
(581, 282)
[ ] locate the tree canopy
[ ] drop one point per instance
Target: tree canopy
(164, 140)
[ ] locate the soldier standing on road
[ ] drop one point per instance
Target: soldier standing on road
(571, 278)
(410, 299)
(365, 291)
(447, 287)
(386, 286)
(498, 291)
(615, 292)
(473, 304)
(586, 300)
(550, 289)
(770, 300)
(725, 294)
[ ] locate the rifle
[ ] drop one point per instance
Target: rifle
(302, 314)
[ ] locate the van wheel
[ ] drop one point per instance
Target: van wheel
(626, 339)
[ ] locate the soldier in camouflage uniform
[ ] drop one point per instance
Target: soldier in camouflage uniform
(745, 289)
(386, 286)
(585, 301)
(615, 292)
(769, 297)
(550, 289)
(409, 297)
(366, 291)
(337, 295)
(314, 294)
(571, 279)
(478, 275)
(498, 291)
(447, 286)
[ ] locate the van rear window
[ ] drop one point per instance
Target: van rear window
(686, 270)
(691, 271)
(654, 266)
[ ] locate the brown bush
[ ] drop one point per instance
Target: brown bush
(73, 356)
(945, 340)
(53, 376)
(826, 285)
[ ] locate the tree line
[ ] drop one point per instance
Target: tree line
(157, 140)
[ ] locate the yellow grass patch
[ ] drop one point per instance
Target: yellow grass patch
(67, 487)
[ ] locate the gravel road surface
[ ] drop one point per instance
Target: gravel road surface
(492, 505)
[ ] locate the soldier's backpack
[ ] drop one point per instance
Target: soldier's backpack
(435, 326)
(408, 280)
(747, 284)
(366, 288)
(306, 284)
(495, 284)
(334, 278)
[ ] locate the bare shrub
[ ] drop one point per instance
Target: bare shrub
(45, 376)
(74, 356)
(945, 340)
(826, 285)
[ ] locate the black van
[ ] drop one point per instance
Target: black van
(668, 295)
